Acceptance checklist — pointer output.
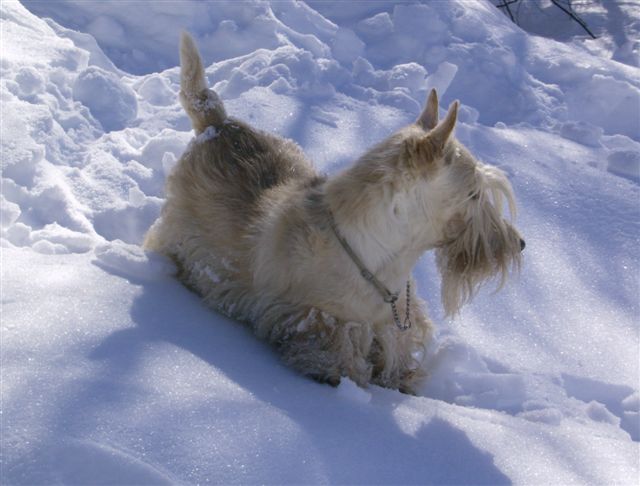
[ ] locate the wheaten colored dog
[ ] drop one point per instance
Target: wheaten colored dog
(266, 240)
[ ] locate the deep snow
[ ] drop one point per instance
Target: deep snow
(112, 372)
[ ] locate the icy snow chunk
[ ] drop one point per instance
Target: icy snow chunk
(19, 234)
(131, 261)
(550, 416)
(61, 237)
(365, 75)
(599, 412)
(109, 100)
(137, 198)
(301, 71)
(411, 76)
(468, 114)
(624, 163)
(631, 415)
(628, 52)
(468, 27)
(348, 390)
(30, 81)
(630, 420)
(9, 212)
(281, 86)
(582, 132)
(157, 91)
(48, 248)
(442, 78)
(346, 46)
(612, 102)
(304, 19)
(380, 25)
(390, 86)
(19, 152)
(168, 141)
(632, 402)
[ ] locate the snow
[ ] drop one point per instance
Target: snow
(110, 101)
(113, 372)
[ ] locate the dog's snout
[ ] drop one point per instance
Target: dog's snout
(522, 244)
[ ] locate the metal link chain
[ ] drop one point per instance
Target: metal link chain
(407, 316)
(387, 295)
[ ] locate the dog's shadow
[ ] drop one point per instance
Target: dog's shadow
(350, 437)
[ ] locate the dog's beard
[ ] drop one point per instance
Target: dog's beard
(488, 247)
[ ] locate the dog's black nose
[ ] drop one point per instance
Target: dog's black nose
(522, 244)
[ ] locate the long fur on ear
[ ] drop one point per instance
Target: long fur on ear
(203, 105)
(488, 247)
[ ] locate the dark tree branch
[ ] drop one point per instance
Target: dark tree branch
(505, 4)
(572, 14)
(565, 8)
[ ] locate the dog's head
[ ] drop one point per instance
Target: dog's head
(456, 200)
(476, 243)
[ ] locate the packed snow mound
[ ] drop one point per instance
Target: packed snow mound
(113, 371)
(110, 101)
(499, 71)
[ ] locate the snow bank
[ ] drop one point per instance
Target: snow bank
(110, 101)
(112, 381)
(471, 50)
(113, 372)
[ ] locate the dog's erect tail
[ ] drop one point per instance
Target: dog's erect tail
(202, 104)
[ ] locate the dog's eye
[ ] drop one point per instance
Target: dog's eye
(474, 195)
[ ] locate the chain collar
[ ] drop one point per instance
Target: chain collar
(384, 292)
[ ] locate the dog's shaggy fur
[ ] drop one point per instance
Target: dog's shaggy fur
(248, 222)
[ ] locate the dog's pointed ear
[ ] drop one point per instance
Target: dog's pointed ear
(441, 133)
(428, 119)
(429, 147)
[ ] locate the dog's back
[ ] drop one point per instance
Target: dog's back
(222, 184)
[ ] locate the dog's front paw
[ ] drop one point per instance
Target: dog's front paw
(334, 381)
(407, 390)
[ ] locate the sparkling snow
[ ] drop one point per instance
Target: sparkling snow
(113, 372)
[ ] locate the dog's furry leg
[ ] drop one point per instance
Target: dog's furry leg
(325, 348)
(397, 357)
(414, 374)
(203, 105)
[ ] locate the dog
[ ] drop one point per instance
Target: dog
(321, 266)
